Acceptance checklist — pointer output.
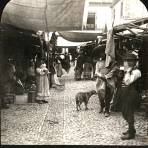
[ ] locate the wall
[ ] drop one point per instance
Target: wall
(127, 10)
(103, 13)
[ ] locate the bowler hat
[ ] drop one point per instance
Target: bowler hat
(130, 56)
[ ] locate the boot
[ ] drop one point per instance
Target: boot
(44, 101)
(5, 106)
(101, 109)
(39, 101)
(128, 136)
(106, 114)
(126, 132)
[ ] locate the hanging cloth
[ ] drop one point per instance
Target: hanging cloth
(110, 48)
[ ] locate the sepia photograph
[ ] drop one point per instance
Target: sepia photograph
(74, 72)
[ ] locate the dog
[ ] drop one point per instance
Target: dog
(83, 97)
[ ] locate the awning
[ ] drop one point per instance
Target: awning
(65, 43)
(80, 36)
(45, 15)
(133, 24)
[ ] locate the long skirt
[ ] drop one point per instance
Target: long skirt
(58, 68)
(42, 87)
(87, 71)
(129, 97)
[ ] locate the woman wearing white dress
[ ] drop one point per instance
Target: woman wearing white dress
(42, 83)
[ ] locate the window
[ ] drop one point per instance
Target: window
(91, 21)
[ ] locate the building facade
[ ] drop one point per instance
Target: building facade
(100, 15)
(124, 11)
(97, 15)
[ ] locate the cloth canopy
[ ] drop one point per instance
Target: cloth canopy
(45, 15)
(80, 36)
(49, 15)
(65, 43)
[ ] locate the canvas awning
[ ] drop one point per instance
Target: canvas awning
(45, 15)
(61, 42)
(133, 24)
(80, 36)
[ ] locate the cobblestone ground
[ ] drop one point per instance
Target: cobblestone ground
(58, 122)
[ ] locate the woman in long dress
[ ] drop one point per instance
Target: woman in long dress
(42, 83)
(87, 69)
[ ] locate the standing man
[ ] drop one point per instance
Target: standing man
(129, 94)
(105, 83)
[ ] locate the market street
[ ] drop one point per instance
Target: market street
(58, 122)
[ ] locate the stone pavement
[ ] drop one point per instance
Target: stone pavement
(58, 122)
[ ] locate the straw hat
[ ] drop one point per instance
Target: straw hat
(130, 57)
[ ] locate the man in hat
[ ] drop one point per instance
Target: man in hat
(105, 83)
(129, 94)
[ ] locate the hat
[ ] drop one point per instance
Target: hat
(130, 56)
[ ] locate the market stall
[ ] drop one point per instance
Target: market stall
(133, 37)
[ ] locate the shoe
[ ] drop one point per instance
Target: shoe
(106, 114)
(101, 110)
(59, 84)
(53, 86)
(44, 101)
(39, 101)
(124, 133)
(128, 136)
(6, 106)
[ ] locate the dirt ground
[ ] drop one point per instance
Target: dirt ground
(58, 122)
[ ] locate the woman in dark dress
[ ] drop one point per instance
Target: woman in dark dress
(79, 66)
(129, 94)
(87, 69)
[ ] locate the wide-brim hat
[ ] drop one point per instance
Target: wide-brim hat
(130, 56)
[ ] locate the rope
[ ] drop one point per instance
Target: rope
(46, 17)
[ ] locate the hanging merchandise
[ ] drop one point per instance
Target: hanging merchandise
(110, 48)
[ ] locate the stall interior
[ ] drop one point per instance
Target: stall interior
(18, 47)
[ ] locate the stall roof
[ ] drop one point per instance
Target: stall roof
(133, 24)
(65, 43)
(81, 36)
